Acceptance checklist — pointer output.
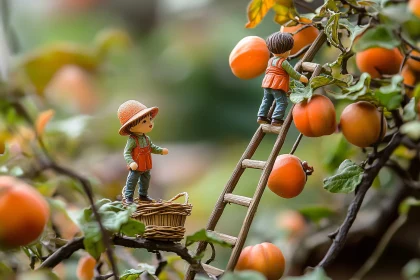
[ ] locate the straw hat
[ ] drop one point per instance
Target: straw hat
(131, 111)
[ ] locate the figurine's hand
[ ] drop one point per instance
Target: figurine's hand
(165, 151)
(133, 166)
(303, 79)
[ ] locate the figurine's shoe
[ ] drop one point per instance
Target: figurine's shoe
(263, 120)
(145, 198)
(275, 122)
(129, 200)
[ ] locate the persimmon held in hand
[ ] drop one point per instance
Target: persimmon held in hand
(86, 268)
(360, 123)
(316, 117)
(379, 61)
(23, 213)
(265, 258)
(288, 176)
(303, 38)
(249, 57)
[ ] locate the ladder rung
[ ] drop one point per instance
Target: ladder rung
(309, 66)
(227, 238)
(212, 270)
(238, 199)
(268, 128)
(250, 163)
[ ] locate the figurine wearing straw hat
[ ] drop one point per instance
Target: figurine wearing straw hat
(137, 120)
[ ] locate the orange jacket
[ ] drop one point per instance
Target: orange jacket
(275, 76)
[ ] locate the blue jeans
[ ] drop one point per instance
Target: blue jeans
(281, 103)
(134, 177)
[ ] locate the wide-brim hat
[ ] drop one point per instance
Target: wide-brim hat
(131, 111)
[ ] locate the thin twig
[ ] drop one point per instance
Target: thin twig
(296, 144)
(161, 264)
(383, 243)
(213, 254)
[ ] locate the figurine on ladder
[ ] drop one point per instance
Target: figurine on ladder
(276, 79)
(137, 120)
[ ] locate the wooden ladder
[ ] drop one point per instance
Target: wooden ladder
(245, 161)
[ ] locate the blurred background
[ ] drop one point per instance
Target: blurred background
(175, 57)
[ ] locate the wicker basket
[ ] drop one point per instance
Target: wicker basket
(164, 220)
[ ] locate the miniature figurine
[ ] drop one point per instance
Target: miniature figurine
(137, 120)
(276, 80)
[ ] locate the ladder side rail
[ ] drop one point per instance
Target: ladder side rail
(270, 163)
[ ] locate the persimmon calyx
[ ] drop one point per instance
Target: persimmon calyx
(308, 169)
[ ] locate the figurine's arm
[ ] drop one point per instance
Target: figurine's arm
(155, 149)
(292, 72)
(131, 143)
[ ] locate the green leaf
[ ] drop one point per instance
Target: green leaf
(299, 92)
(411, 129)
(331, 30)
(359, 91)
(317, 274)
(390, 96)
(316, 213)
(93, 240)
(203, 235)
(410, 111)
(411, 271)
(324, 80)
(329, 5)
(134, 274)
(348, 177)
(354, 29)
(133, 228)
(243, 275)
(407, 204)
(379, 36)
(115, 218)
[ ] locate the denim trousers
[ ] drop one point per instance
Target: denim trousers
(281, 103)
(134, 177)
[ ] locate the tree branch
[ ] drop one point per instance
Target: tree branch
(63, 253)
(141, 243)
(368, 176)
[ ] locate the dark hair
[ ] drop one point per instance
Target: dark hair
(136, 122)
(280, 42)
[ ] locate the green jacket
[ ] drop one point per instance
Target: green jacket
(131, 144)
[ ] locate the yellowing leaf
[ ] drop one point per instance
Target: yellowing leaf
(257, 9)
(110, 39)
(39, 67)
(42, 120)
(284, 9)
